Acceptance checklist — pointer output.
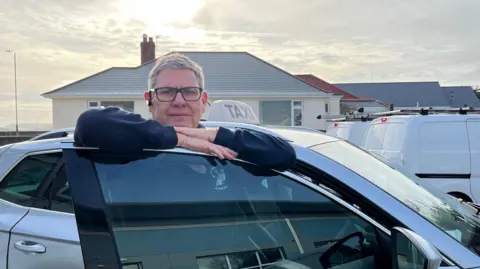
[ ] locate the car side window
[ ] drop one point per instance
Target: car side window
(189, 211)
(24, 182)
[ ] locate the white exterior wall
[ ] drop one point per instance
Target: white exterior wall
(66, 111)
(312, 107)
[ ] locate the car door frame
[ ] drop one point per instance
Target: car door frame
(83, 180)
(83, 177)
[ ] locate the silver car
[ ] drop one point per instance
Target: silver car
(340, 207)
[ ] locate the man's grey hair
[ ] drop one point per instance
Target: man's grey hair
(175, 61)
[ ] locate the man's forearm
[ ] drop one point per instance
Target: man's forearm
(259, 148)
(116, 130)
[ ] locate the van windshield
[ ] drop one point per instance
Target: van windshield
(442, 210)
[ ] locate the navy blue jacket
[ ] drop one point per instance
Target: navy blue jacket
(116, 130)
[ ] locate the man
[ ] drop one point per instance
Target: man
(177, 99)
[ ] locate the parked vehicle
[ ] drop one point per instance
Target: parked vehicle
(352, 127)
(340, 207)
(351, 131)
(438, 146)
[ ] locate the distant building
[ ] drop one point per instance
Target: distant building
(413, 94)
(349, 102)
(461, 96)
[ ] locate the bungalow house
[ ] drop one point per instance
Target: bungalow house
(276, 96)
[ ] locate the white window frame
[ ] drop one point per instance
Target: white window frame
(99, 103)
(293, 106)
(292, 115)
(90, 107)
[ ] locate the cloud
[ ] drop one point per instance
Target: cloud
(59, 41)
(413, 40)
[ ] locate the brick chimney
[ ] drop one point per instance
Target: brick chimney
(147, 49)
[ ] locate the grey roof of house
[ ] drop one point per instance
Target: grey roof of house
(363, 104)
(225, 72)
(400, 94)
(460, 96)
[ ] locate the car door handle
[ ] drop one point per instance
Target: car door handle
(29, 246)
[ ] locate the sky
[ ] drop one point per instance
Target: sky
(60, 41)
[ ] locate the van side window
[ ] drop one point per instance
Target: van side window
(21, 186)
(374, 136)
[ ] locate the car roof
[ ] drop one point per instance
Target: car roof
(303, 138)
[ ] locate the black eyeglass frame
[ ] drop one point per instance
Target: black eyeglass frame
(178, 90)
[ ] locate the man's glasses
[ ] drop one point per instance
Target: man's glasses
(168, 94)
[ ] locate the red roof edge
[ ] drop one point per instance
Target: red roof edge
(325, 86)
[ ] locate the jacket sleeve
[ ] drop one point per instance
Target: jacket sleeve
(259, 148)
(115, 130)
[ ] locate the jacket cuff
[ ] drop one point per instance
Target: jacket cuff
(169, 139)
(224, 137)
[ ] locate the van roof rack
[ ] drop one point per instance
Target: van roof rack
(428, 111)
(354, 117)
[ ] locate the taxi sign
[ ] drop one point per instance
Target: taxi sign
(232, 111)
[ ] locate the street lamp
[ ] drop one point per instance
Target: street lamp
(15, 74)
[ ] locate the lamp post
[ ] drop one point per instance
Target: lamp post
(15, 75)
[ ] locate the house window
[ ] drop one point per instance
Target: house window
(326, 107)
(244, 259)
(283, 113)
(125, 105)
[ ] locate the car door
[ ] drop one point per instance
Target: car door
(176, 210)
(10, 214)
(46, 237)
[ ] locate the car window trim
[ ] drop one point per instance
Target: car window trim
(32, 153)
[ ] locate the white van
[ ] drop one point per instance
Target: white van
(443, 149)
(353, 131)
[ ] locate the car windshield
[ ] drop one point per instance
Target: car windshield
(444, 211)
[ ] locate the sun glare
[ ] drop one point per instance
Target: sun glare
(157, 14)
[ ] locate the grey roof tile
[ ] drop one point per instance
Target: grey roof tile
(224, 72)
(400, 94)
(460, 96)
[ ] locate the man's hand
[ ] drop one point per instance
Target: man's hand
(205, 134)
(202, 145)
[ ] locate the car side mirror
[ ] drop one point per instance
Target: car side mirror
(410, 250)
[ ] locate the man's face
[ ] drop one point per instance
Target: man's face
(179, 112)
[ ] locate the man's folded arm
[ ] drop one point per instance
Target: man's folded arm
(259, 148)
(116, 130)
